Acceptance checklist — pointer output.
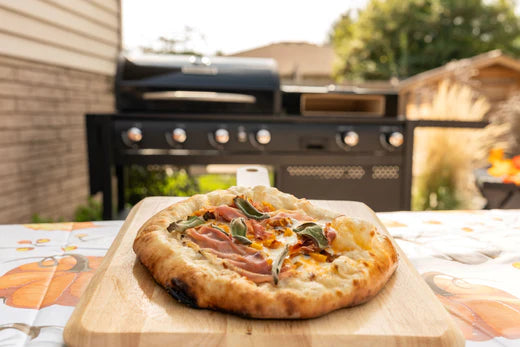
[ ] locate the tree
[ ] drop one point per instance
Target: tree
(176, 45)
(400, 38)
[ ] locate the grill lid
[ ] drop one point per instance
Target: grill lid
(181, 82)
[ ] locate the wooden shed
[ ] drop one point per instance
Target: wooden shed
(493, 75)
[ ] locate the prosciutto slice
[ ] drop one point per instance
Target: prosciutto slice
(257, 229)
(245, 260)
(227, 213)
(292, 214)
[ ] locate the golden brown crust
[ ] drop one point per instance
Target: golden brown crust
(193, 279)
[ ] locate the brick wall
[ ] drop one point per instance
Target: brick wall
(43, 158)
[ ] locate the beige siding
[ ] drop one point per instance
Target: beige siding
(80, 34)
(43, 150)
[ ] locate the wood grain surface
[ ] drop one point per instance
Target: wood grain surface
(123, 306)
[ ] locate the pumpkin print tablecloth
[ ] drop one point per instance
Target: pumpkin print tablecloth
(470, 259)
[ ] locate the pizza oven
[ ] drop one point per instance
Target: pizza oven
(321, 142)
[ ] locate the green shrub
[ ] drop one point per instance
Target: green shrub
(210, 182)
(36, 218)
(92, 211)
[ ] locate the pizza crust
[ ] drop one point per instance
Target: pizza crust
(201, 280)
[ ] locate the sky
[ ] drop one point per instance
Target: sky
(230, 26)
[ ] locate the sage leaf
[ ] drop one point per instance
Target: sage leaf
(277, 264)
(219, 229)
(238, 230)
(314, 231)
(184, 225)
(249, 210)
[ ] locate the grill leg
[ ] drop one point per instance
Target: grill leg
(120, 174)
(408, 166)
(107, 193)
(107, 173)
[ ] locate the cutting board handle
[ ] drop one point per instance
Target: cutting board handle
(252, 175)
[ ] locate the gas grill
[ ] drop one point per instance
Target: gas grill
(323, 142)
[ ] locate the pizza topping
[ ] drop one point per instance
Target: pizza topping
(267, 207)
(330, 233)
(183, 225)
(211, 237)
(277, 264)
(293, 215)
(277, 222)
(287, 232)
(257, 245)
(227, 213)
(318, 257)
(255, 276)
(248, 209)
(244, 260)
(221, 228)
(304, 246)
(257, 230)
(314, 232)
(252, 261)
(238, 230)
(208, 215)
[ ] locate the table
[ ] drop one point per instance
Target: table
(471, 259)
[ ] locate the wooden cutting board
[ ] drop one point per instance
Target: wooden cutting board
(123, 306)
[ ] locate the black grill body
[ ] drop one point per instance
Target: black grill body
(191, 84)
(185, 111)
(306, 153)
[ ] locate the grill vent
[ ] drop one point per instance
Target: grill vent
(385, 172)
(328, 172)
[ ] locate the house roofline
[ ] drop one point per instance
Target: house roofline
(478, 61)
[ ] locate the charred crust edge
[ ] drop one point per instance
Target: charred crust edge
(181, 292)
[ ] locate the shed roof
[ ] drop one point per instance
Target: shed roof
(477, 62)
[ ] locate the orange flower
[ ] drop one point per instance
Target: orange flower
(507, 169)
(48, 282)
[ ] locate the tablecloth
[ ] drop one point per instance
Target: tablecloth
(470, 259)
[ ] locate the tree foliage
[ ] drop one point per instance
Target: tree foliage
(176, 44)
(400, 38)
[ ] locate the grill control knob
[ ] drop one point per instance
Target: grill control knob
(263, 136)
(179, 135)
(396, 139)
(134, 135)
(222, 136)
(351, 138)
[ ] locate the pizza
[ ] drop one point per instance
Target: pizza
(261, 253)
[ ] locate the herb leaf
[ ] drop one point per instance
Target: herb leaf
(315, 232)
(277, 264)
(183, 225)
(249, 210)
(238, 230)
(219, 229)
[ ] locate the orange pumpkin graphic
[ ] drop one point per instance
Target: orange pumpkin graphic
(56, 280)
(482, 312)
